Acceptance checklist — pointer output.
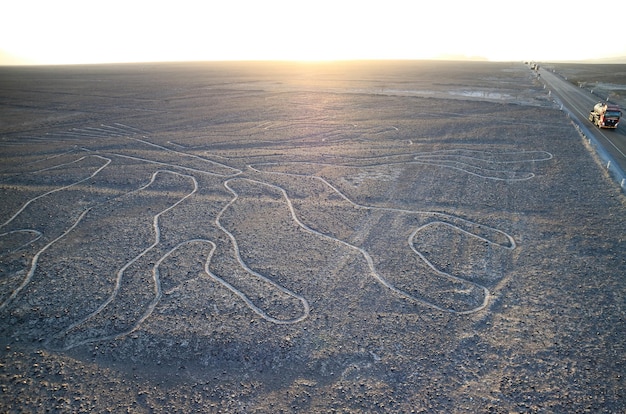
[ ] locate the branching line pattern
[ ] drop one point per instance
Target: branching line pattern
(485, 165)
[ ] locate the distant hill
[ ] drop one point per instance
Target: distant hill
(617, 59)
(461, 57)
(608, 60)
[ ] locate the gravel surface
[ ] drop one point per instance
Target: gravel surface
(263, 237)
(606, 81)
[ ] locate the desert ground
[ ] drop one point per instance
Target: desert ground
(299, 238)
(603, 80)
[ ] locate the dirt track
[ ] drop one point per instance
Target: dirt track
(364, 237)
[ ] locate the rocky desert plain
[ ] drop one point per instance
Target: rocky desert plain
(346, 237)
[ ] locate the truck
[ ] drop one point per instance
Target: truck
(605, 115)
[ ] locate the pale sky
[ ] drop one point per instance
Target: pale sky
(83, 31)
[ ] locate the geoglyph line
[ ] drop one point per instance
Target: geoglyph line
(157, 283)
(35, 259)
(303, 301)
(442, 160)
(120, 273)
(442, 216)
(184, 154)
(158, 294)
(544, 155)
(444, 219)
(5, 171)
(37, 234)
(370, 262)
(487, 156)
(107, 162)
(130, 128)
(169, 165)
(466, 161)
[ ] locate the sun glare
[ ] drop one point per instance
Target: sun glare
(68, 31)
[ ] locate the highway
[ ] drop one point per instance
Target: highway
(579, 102)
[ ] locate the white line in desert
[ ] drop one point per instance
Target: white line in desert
(438, 159)
(434, 160)
(524, 178)
(33, 265)
(428, 262)
(122, 131)
(37, 233)
(264, 315)
(366, 255)
(94, 131)
(457, 153)
(391, 209)
(120, 273)
(546, 155)
(448, 218)
(250, 304)
(184, 154)
(344, 197)
(137, 130)
(164, 164)
(74, 149)
(176, 144)
(108, 161)
(144, 316)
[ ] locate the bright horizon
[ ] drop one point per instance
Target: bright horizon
(75, 32)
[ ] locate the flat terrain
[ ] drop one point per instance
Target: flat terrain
(605, 80)
(264, 237)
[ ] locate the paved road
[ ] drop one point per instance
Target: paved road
(579, 101)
